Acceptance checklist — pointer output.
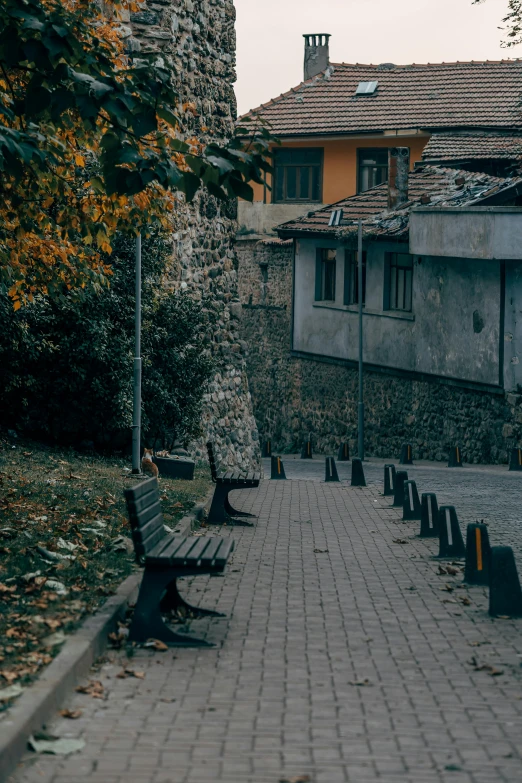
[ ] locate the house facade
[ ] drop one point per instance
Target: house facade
(441, 280)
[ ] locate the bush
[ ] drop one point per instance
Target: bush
(66, 366)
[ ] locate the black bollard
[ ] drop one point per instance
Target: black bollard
(358, 479)
(344, 453)
(455, 458)
(398, 496)
(411, 507)
(267, 448)
(505, 595)
(451, 543)
(330, 470)
(389, 480)
(515, 461)
(429, 516)
(306, 451)
(406, 454)
(478, 554)
(277, 469)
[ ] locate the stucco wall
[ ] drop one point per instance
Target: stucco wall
(453, 330)
(340, 161)
(293, 395)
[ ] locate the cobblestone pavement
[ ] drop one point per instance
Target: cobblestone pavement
(345, 656)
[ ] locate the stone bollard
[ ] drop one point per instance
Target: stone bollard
(455, 458)
(306, 451)
(398, 496)
(478, 555)
(505, 595)
(411, 507)
(277, 469)
(406, 454)
(429, 516)
(389, 480)
(451, 543)
(358, 479)
(515, 461)
(267, 448)
(344, 453)
(330, 470)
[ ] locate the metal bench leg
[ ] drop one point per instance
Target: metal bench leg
(148, 623)
(231, 511)
(172, 600)
(216, 515)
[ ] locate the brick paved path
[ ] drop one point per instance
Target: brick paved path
(320, 599)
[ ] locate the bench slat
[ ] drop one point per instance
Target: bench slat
(155, 538)
(222, 555)
(152, 528)
(185, 548)
(143, 518)
(133, 493)
(195, 553)
(137, 507)
(165, 549)
(210, 551)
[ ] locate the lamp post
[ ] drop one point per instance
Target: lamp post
(136, 409)
(360, 450)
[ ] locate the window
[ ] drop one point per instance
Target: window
(298, 175)
(398, 286)
(351, 278)
(372, 168)
(325, 270)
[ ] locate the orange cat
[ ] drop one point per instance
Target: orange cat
(147, 465)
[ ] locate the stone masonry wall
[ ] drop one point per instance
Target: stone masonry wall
(196, 40)
(294, 396)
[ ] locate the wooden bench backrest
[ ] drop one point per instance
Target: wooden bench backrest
(145, 517)
(212, 461)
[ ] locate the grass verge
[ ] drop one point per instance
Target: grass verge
(64, 547)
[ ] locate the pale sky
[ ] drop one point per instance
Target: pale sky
(270, 46)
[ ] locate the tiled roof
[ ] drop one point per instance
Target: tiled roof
(428, 186)
(447, 147)
(452, 95)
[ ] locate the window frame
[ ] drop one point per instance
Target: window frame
(322, 265)
(282, 167)
(351, 277)
(367, 151)
(392, 287)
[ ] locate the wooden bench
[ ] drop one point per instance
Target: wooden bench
(227, 481)
(167, 557)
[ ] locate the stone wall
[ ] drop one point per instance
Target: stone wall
(293, 395)
(196, 40)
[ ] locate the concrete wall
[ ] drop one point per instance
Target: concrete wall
(467, 232)
(452, 331)
(258, 219)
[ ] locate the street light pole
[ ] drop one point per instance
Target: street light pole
(361, 390)
(136, 411)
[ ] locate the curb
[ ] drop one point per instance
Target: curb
(44, 697)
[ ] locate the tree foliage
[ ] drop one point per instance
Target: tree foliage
(65, 364)
(512, 22)
(92, 143)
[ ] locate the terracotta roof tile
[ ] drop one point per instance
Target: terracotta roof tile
(428, 186)
(446, 147)
(463, 95)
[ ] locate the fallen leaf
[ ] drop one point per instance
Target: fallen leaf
(93, 688)
(485, 667)
(10, 693)
(320, 551)
(442, 570)
(296, 779)
(400, 541)
(359, 683)
(453, 571)
(72, 714)
(447, 588)
(9, 676)
(56, 746)
(54, 639)
(465, 600)
(130, 673)
(156, 644)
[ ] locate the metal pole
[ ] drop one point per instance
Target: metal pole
(136, 412)
(361, 390)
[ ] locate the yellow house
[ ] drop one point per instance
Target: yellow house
(337, 126)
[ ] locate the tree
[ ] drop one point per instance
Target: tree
(513, 22)
(92, 144)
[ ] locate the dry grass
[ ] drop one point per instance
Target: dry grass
(64, 546)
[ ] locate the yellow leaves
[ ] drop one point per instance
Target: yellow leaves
(80, 161)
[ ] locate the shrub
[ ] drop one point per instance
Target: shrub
(66, 366)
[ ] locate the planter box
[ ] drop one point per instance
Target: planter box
(175, 468)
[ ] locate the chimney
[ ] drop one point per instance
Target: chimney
(398, 172)
(317, 54)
